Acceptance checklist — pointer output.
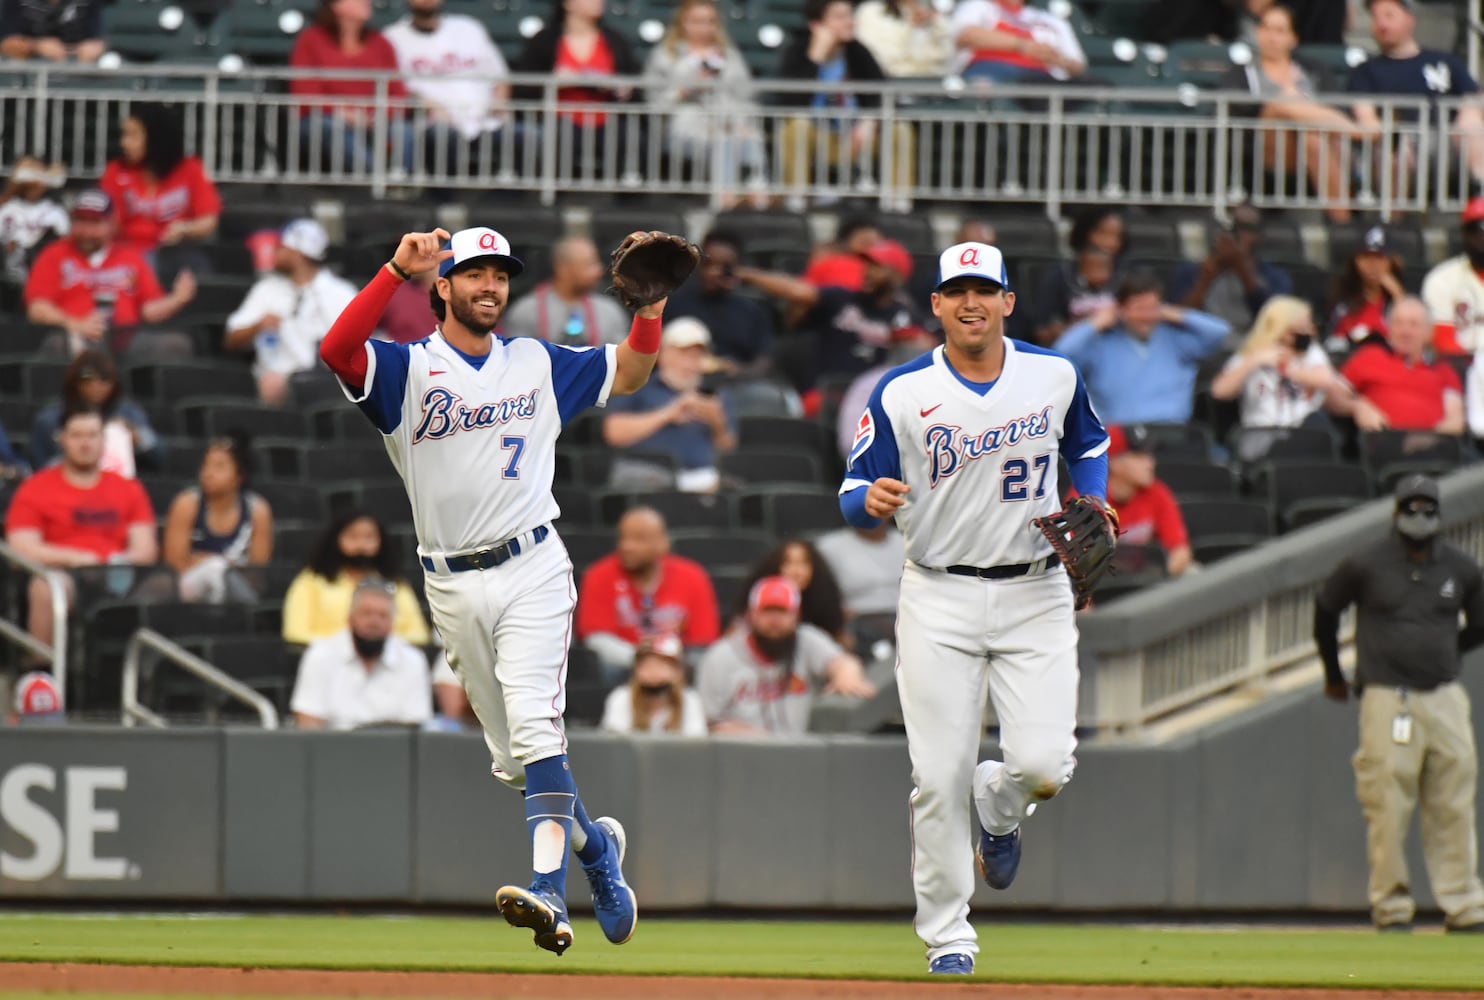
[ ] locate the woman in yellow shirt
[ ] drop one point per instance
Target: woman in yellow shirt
(352, 548)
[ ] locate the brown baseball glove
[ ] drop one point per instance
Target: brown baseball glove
(1085, 536)
(649, 266)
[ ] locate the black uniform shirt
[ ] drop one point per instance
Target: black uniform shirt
(1407, 611)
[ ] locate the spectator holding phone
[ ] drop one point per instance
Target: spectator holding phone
(1233, 282)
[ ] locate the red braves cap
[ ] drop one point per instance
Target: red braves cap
(476, 244)
(93, 202)
(1134, 437)
(1473, 211)
(37, 698)
(890, 253)
(774, 592)
(972, 260)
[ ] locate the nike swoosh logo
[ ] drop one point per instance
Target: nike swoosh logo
(431, 372)
(929, 410)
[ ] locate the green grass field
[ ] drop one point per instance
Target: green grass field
(1065, 953)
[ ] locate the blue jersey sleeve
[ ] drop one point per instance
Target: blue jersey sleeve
(873, 456)
(386, 385)
(1084, 442)
(580, 377)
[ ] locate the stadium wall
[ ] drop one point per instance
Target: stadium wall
(1250, 815)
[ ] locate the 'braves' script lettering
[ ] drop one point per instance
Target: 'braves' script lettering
(445, 413)
(950, 449)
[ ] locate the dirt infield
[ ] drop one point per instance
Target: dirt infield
(126, 979)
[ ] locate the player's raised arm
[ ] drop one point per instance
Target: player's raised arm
(344, 347)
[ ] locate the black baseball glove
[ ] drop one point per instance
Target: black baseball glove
(1085, 536)
(649, 266)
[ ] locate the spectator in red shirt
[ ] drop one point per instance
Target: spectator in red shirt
(640, 592)
(1400, 386)
(340, 129)
(1147, 511)
(165, 202)
(99, 291)
(74, 514)
(1370, 283)
(840, 264)
(576, 43)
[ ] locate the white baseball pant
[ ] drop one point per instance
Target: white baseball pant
(958, 637)
(507, 630)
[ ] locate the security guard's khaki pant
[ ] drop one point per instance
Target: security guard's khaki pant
(1439, 768)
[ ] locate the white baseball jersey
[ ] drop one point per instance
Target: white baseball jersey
(981, 467)
(305, 314)
(1454, 294)
(459, 47)
(476, 446)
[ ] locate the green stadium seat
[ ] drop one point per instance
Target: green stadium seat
(132, 28)
(1198, 62)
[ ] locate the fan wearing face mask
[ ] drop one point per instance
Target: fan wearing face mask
(363, 675)
(1454, 290)
(1416, 739)
(353, 548)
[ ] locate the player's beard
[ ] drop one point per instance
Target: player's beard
(463, 311)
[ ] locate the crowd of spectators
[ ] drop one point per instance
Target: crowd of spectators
(111, 275)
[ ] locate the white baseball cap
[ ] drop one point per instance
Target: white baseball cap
(972, 260)
(686, 332)
(476, 243)
(306, 236)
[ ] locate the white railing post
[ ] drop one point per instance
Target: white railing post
(1474, 25)
(57, 596)
(1055, 172)
(380, 130)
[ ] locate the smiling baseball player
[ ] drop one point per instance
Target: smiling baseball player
(960, 446)
(470, 420)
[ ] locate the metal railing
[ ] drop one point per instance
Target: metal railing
(135, 711)
(13, 632)
(1249, 616)
(905, 142)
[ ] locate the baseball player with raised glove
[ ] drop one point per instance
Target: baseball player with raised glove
(960, 447)
(471, 421)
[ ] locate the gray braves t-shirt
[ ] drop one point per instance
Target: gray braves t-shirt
(738, 685)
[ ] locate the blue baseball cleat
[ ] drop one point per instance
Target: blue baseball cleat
(540, 909)
(613, 901)
(998, 858)
(952, 965)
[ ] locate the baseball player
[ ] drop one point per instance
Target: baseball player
(470, 420)
(960, 446)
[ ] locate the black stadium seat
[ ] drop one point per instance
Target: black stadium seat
(772, 465)
(1283, 484)
(1198, 480)
(680, 510)
(211, 416)
(737, 547)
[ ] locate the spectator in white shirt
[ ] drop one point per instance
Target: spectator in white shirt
(909, 38)
(364, 675)
(1282, 375)
(289, 310)
(28, 216)
(656, 700)
(433, 47)
(868, 564)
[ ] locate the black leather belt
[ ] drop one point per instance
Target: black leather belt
(487, 558)
(1009, 572)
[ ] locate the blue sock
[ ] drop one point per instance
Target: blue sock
(594, 839)
(550, 793)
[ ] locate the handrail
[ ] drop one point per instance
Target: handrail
(57, 589)
(1165, 146)
(1169, 646)
(134, 711)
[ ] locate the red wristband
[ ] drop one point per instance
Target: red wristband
(644, 335)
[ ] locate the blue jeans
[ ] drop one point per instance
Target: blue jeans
(353, 142)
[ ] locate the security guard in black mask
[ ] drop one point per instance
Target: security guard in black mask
(1416, 740)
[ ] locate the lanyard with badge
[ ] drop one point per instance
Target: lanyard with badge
(582, 321)
(1401, 726)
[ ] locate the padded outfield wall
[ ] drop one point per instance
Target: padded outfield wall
(1255, 814)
